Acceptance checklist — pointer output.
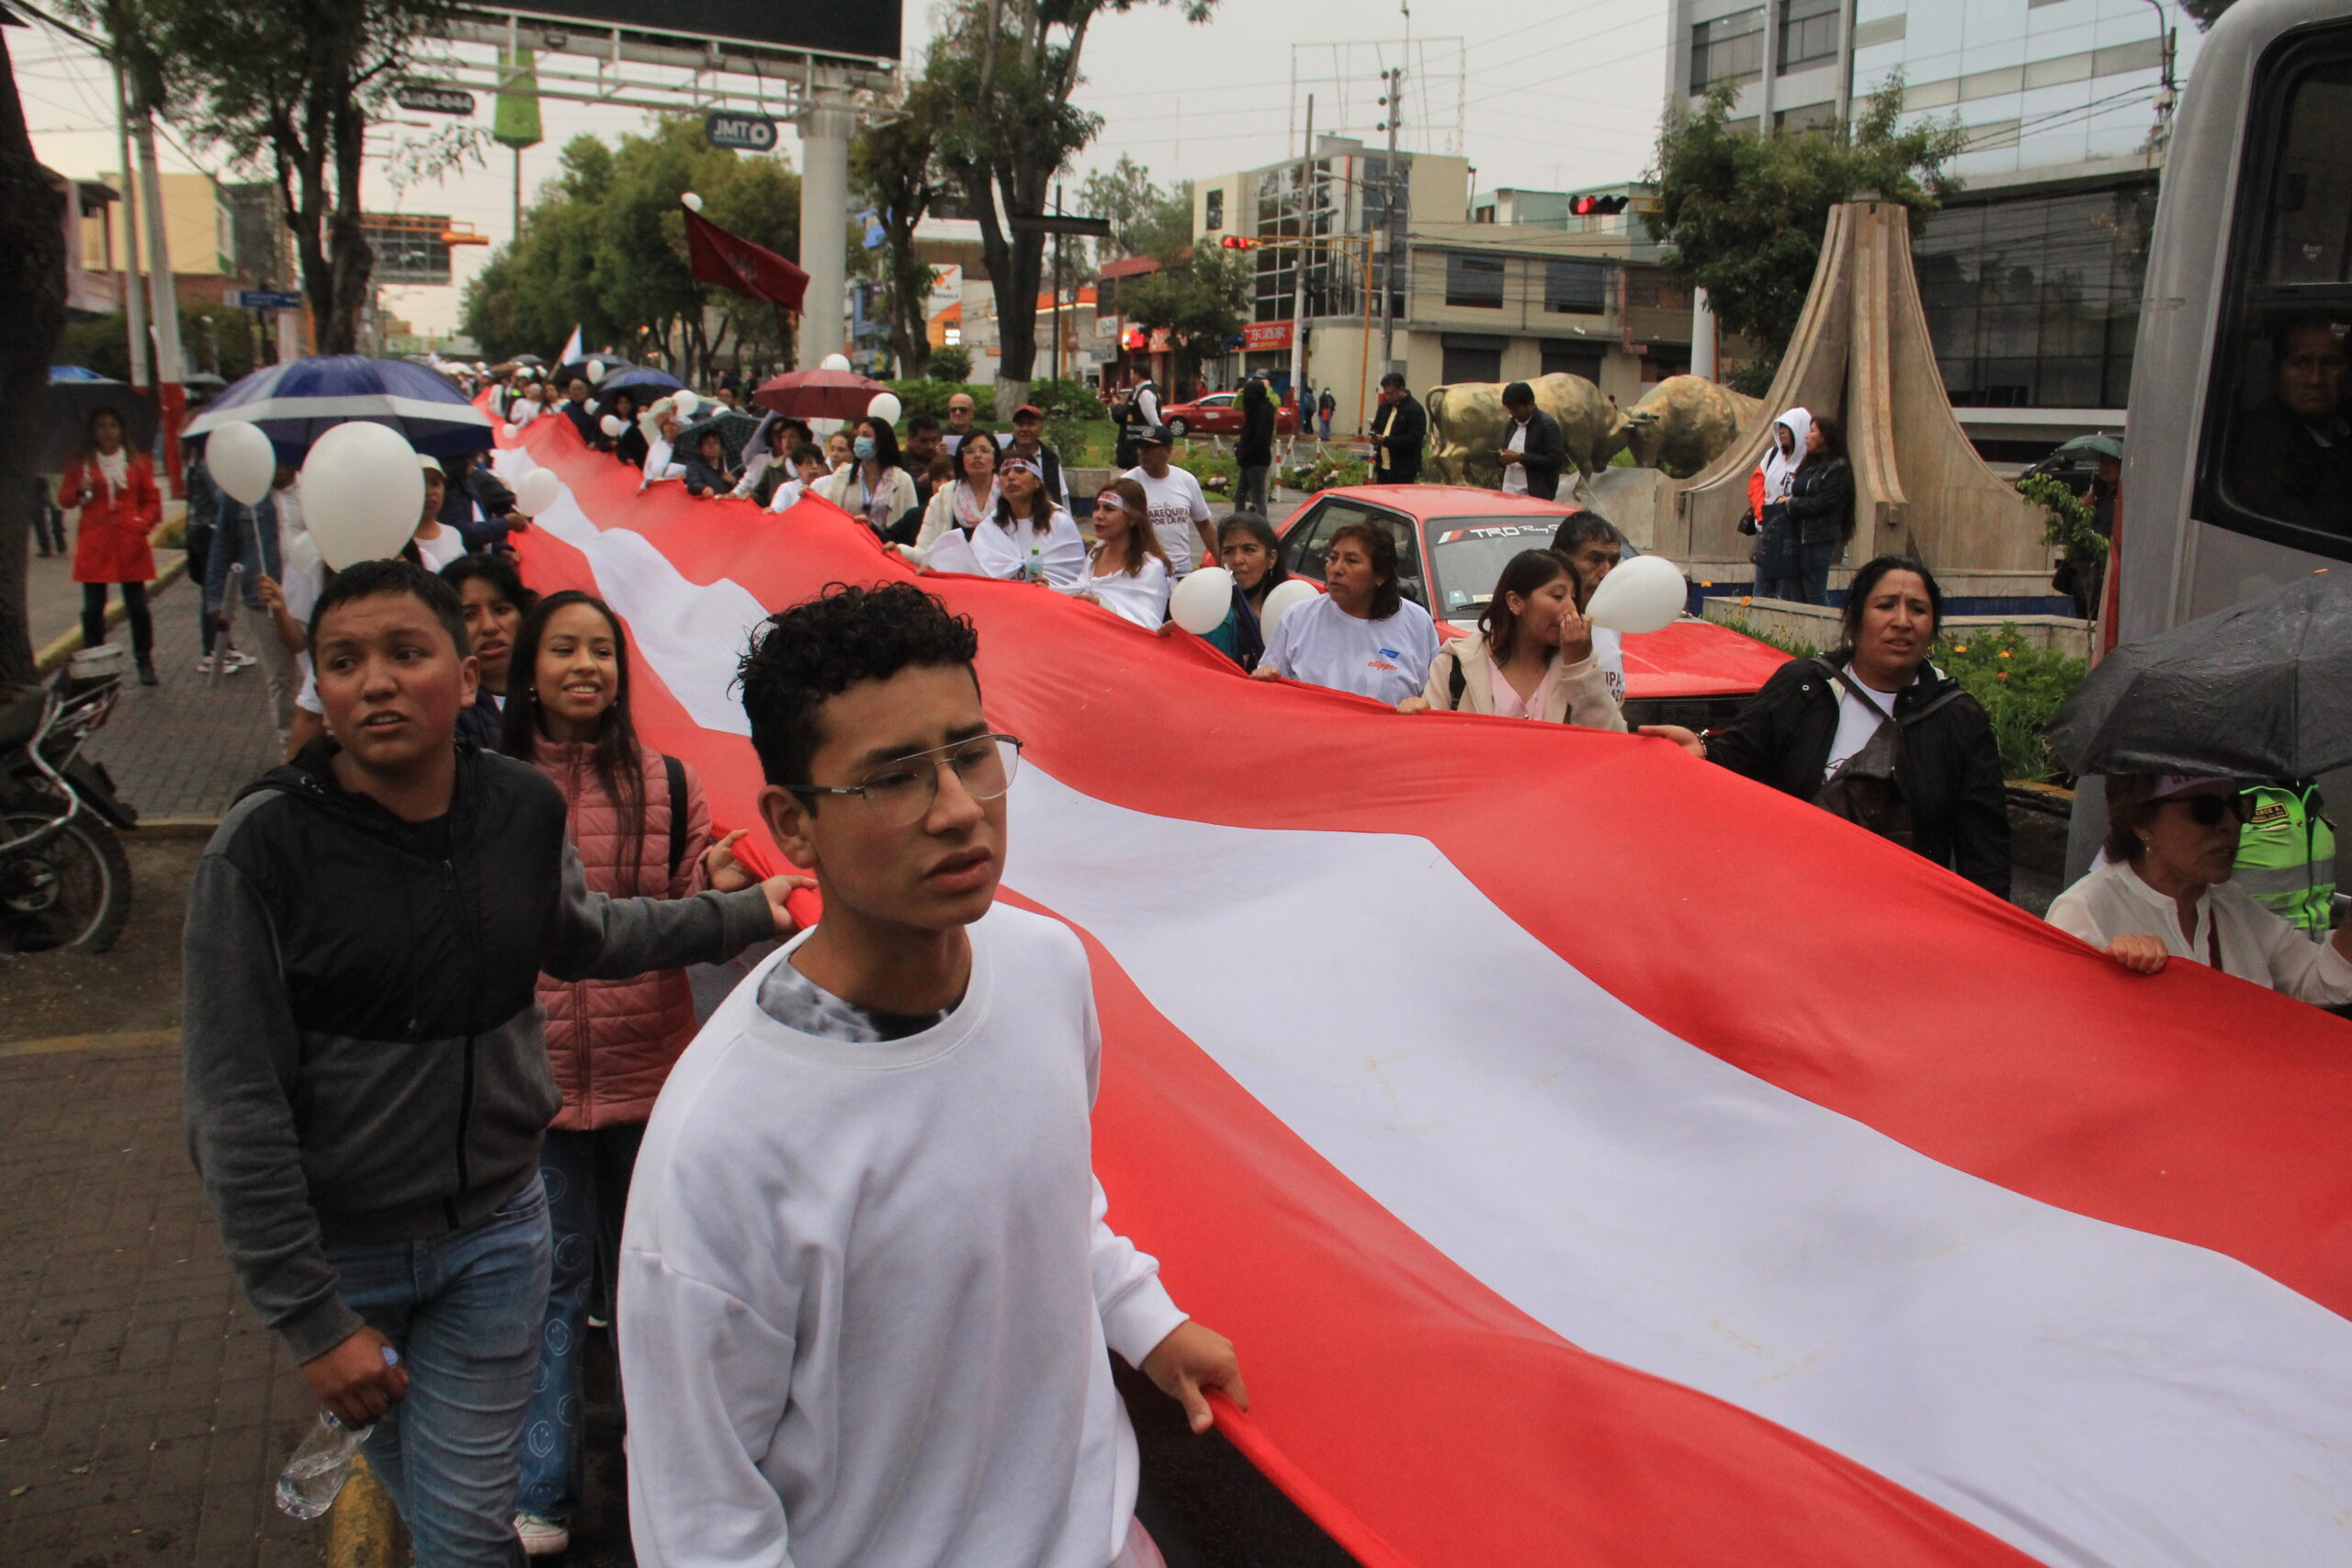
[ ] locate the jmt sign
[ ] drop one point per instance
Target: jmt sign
(744, 132)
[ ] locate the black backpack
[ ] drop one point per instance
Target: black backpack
(1867, 789)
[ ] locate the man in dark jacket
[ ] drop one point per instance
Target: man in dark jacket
(477, 504)
(1398, 432)
(1254, 452)
(366, 1083)
(1532, 449)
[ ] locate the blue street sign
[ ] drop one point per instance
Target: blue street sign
(265, 299)
(744, 132)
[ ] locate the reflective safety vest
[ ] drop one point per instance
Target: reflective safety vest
(2287, 856)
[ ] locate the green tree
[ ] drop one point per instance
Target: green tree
(1746, 213)
(603, 248)
(291, 85)
(1200, 296)
(32, 280)
(996, 86)
(1144, 219)
(896, 165)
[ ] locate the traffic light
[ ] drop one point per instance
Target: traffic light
(1238, 243)
(1600, 206)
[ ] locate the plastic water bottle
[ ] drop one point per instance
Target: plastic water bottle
(308, 1484)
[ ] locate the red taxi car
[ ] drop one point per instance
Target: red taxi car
(1216, 415)
(1451, 544)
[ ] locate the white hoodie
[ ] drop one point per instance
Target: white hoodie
(866, 1289)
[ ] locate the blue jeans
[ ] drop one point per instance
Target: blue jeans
(464, 1311)
(586, 1177)
(1813, 562)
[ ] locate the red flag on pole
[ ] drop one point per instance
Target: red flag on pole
(734, 263)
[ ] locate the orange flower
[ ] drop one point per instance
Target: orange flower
(2005, 653)
(1960, 647)
(1746, 600)
(2001, 674)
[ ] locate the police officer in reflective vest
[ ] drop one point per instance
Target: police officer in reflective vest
(2287, 856)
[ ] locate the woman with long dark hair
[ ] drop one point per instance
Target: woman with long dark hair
(641, 827)
(1246, 547)
(1876, 734)
(1029, 536)
(1363, 636)
(968, 502)
(1532, 656)
(1820, 508)
(1126, 572)
(874, 484)
(115, 488)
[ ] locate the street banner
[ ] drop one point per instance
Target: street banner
(1596, 1158)
(734, 263)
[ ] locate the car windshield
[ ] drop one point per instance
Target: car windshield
(1467, 554)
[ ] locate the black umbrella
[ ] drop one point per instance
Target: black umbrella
(66, 408)
(734, 429)
(2262, 691)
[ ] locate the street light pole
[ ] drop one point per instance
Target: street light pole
(1058, 285)
(1396, 103)
(1298, 289)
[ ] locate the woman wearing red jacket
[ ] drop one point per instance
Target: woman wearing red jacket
(640, 825)
(115, 488)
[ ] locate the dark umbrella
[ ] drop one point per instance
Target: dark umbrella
(819, 394)
(643, 380)
(734, 429)
(66, 408)
(2263, 690)
(297, 402)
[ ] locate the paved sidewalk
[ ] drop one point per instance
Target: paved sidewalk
(143, 1410)
(184, 747)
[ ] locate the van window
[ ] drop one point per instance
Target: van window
(2282, 387)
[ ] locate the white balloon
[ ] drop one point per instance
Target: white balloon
(240, 460)
(611, 425)
(885, 407)
(694, 202)
(686, 403)
(1646, 594)
(537, 491)
(833, 362)
(512, 431)
(595, 371)
(1280, 599)
(362, 492)
(1202, 600)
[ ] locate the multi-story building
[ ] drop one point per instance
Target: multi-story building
(199, 227)
(1499, 285)
(2031, 275)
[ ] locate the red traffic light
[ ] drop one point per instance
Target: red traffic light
(1236, 243)
(1599, 205)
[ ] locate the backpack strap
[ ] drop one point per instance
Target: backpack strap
(673, 773)
(1956, 691)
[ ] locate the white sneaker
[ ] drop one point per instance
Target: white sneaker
(204, 665)
(234, 661)
(541, 1537)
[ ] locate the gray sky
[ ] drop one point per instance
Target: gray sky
(1560, 94)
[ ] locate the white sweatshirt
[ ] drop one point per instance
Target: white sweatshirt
(865, 1289)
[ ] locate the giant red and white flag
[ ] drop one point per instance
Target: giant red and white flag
(1598, 1158)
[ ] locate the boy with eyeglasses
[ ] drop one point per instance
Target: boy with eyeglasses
(866, 1286)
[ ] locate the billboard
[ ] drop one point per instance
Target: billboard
(869, 30)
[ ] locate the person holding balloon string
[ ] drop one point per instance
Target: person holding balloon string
(1127, 571)
(1363, 636)
(1532, 656)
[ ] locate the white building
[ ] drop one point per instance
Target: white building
(2031, 275)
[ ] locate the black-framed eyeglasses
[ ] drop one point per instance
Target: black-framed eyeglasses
(2207, 810)
(900, 791)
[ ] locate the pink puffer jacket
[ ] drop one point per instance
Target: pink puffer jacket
(612, 1043)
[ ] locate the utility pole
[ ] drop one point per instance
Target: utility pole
(1058, 284)
(134, 308)
(1395, 103)
(170, 394)
(1298, 289)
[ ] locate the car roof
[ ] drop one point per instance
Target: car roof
(1426, 502)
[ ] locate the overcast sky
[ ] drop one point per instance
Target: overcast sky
(1564, 97)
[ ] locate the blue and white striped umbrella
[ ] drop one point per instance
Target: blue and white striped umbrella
(297, 402)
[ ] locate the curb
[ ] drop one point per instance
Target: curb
(362, 1529)
(136, 1038)
(67, 644)
(176, 828)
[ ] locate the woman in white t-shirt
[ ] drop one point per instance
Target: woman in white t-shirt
(1532, 656)
(1029, 537)
(1126, 572)
(1363, 636)
(968, 502)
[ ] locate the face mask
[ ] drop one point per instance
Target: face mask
(863, 447)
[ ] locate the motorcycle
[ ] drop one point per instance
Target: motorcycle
(65, 879)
